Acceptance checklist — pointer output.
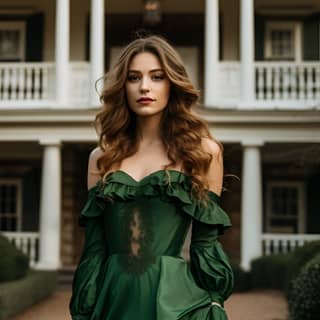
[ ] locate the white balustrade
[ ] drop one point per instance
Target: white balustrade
(27, 242)
(276, 83)
(282, 243)
(24, 81)
(34, 83)
(287, 81)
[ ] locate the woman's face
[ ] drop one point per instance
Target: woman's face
(147, 86)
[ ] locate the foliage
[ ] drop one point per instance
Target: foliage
(13, 263)
(299, 258)
(304, 301)
(270, 272)
(241, 278)
(15, 296)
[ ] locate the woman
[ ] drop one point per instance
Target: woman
(156, 170)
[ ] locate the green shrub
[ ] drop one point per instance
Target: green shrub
(299, 258)
(13, 263)
(304, 301)
(15, 296)
(241, 278)
(270, 272)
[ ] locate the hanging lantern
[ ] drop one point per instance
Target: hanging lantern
(152, 12)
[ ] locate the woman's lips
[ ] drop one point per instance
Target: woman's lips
(145, 100)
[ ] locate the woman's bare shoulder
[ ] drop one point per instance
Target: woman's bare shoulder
(96, 153)
(93, 175)
(215, 173)
(211, 146)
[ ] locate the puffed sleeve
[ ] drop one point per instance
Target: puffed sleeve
(85, 287)
(208, 262)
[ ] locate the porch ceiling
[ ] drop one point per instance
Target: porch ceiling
(299, 155)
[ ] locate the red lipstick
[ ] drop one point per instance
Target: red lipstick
(145, 100)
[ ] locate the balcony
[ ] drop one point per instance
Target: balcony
(284, 85)
(278, 85)
(32, 85)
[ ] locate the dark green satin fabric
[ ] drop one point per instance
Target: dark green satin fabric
(131, 267)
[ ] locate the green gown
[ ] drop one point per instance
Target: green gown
(131, 266)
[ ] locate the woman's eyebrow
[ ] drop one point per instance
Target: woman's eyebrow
(138, 71)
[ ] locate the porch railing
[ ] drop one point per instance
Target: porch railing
(33, 83)
(27, 242)
(282, 82)
(283, 243)
(287, 80)
(276, 83)
(26, 81)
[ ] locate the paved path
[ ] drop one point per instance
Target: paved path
(255, 305)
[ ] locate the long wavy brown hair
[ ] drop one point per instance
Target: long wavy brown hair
(182, 130)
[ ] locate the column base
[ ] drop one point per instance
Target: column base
(48, 266)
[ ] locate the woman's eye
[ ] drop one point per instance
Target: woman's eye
(158, 77)
(133, 78)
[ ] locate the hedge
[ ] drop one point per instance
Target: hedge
(299, 258)
(242, 281)
(15, 296)
(304, 301)
(13, 263)
(270, 272)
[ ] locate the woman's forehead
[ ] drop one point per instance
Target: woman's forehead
(145, 60)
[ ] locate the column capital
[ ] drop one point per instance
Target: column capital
(253, 142)
(52, 142)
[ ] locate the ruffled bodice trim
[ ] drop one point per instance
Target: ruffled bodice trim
(170, 185)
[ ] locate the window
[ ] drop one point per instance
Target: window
(283, 41)
(12, 41)
(10, 205)
(285, 207)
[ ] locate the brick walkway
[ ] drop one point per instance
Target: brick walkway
(259, 305)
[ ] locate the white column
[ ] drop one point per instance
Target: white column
(62, 50)
(211, 70)
(96, 49)
(50, 207)
(247, 50)
(251, 205)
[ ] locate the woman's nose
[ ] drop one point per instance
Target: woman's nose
(145, 86)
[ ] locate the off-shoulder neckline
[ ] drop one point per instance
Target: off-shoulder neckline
(143, 180)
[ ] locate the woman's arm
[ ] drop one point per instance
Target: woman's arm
(209, 263)
(86, 282)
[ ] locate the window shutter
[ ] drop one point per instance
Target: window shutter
(34, 37)
(259, 32)
(311, 37)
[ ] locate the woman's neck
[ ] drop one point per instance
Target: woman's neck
(148, 130)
